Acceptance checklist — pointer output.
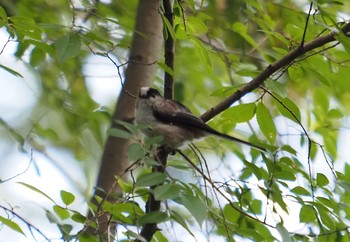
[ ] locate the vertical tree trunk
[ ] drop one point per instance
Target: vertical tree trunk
(145, 51)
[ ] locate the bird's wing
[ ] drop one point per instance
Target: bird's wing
(180, 115)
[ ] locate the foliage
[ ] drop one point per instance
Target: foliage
(300, 113)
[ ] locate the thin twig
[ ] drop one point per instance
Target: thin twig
(30, 226)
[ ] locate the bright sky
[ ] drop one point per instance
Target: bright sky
(17, 98)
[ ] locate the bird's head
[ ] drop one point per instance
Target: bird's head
(148, 92)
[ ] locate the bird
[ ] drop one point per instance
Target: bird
(173, 121)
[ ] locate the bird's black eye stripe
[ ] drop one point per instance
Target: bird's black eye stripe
(152, 92)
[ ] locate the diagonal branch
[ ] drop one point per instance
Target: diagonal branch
(271, 69)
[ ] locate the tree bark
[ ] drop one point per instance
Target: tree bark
(145, 51)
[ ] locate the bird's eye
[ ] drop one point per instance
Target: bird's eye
(152, 93)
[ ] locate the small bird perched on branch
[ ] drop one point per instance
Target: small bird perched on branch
(173, 121)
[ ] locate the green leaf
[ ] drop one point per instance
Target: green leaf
(325, 217)
(166, 68)
(202, 53)
(167, 191)
(79, 218)
(68, 46)
(295, 72)
(344, 40)
(61, 212)
(25, 26)
(285, 175)
(289, 109)
(322, 180)
(241, 29)
(300, 191)
(307, 214)
(321, 101)
(132, 234)
(12, 225)
(3, 15)
(194, 205)
(13, 72)
(67, 197)
(241, 113)
(266, 123)
(150, 179)
(36, 190)
(36, 56)
(86, 237)
(119, 133)
(135, 152)
(180, 220)
(169, 28)
(153, 217)
(46, 48)
(126, 187)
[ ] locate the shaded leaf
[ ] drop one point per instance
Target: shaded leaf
(180, 220)
(194, 205)
(36, 190)
(150, 179)
(119, 133)
(167, 191)
(13, 72)
(284, 233)
(152, 217)
(67, 47)
(135, 152)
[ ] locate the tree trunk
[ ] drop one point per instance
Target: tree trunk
(145, 51)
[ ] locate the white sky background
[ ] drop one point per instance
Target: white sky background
(17, 97)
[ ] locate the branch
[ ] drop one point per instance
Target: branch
(152, 204)
(30, 226)
(271, 69)
(169, 50)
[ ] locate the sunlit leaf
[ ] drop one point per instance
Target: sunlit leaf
(61, 212)
(12, 225)
(322, 180)
(86, 237)
(300, 191)
(203, 53)
(266, 124)
(240, 113)
(307, 214)
(67, 197)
